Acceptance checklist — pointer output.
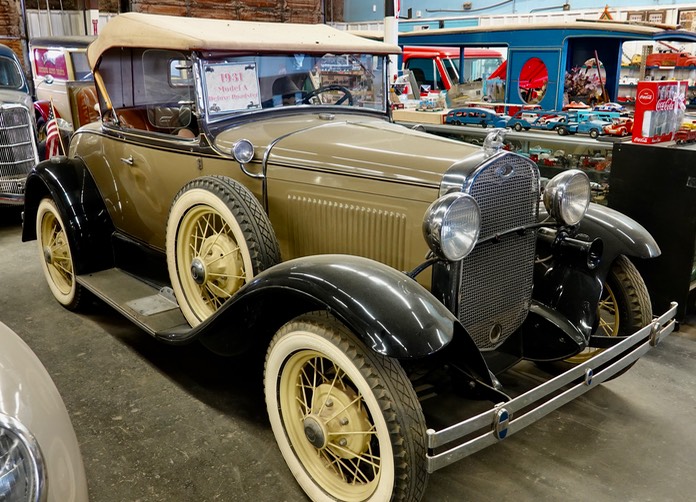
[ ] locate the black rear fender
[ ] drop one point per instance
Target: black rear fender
(88, 225)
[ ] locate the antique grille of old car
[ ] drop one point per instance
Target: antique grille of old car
(17, 152)
(496, 278)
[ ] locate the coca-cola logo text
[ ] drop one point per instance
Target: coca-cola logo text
(666, 104)
(646, 96)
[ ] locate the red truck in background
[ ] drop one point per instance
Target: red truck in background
(438, 67)
(671, 59)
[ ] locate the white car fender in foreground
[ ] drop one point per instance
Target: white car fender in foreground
(41, 458)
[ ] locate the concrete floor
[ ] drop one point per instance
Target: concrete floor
(160, 423)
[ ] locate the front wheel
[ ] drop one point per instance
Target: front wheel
(624, 308)
(346, 419)
(594, 133)
(517, 127)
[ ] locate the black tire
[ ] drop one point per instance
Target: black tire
(209, 263)
(594, 133)
(56, 256)
(483, 124)
(624, 307)
(517, 127)
(562, 131)
(313, 362)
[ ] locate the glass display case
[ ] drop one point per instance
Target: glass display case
(552, 153)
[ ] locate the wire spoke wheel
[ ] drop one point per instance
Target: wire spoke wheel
(218, 267)
(624, 307)
(347, 421)
(329, 420)
(218, 239)
(57, 261)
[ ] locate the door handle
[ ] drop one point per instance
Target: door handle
(128, 161)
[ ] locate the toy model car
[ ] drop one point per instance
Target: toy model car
(476, 116)
(542, 120)
(619, 127)
(18, 151)
(610, 107)
(246, 188)
(671, 58)
(39, 455)
(586, 123)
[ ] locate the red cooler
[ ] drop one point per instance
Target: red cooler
(659, 110)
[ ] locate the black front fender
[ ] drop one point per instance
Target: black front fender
(393, 314)
(87, 223)
(620, 235)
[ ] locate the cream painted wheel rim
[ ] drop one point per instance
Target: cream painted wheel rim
(303, 370)
(211, 264)
(56, 260)
(320, 402)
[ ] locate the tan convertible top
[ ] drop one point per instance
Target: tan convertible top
(170, 32)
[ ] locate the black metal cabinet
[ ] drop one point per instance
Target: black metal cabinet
(656, 186)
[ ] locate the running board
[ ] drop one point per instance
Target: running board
(155, 311)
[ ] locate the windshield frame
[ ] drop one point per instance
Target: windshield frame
(259, 104)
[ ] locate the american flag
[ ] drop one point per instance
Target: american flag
(52, 135)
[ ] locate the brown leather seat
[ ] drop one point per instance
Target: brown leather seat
(133, 118)
(86, 101)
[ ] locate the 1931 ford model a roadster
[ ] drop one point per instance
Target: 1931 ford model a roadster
(226, 145)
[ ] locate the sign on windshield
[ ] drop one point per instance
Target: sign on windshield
(232, 87)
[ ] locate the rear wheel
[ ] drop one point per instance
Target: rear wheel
(56, 257)
(346, 419)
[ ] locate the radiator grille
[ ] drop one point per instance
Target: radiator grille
(17, 150)
(321, 226)
(496, 278)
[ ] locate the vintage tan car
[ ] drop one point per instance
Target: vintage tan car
(40, 458)
(247, 189)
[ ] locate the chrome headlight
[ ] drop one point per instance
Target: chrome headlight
(21, 464)
(567, 196)
(451, 225)
(243, 151)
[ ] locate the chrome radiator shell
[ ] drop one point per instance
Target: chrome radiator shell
(495, 281)
(18, 152)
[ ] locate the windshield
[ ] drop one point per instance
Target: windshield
(239, 84)
(10, 75)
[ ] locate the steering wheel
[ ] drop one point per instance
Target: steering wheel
(326, 88)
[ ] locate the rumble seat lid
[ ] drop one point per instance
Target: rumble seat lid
(157, 31)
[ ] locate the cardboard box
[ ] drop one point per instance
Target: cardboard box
(406, 115)
(659, 110)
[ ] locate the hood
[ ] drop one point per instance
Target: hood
(11, 96)
(369, 147)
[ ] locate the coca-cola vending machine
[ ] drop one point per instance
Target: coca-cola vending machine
(659, 110)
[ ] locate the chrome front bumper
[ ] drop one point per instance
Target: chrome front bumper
(502, 421)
